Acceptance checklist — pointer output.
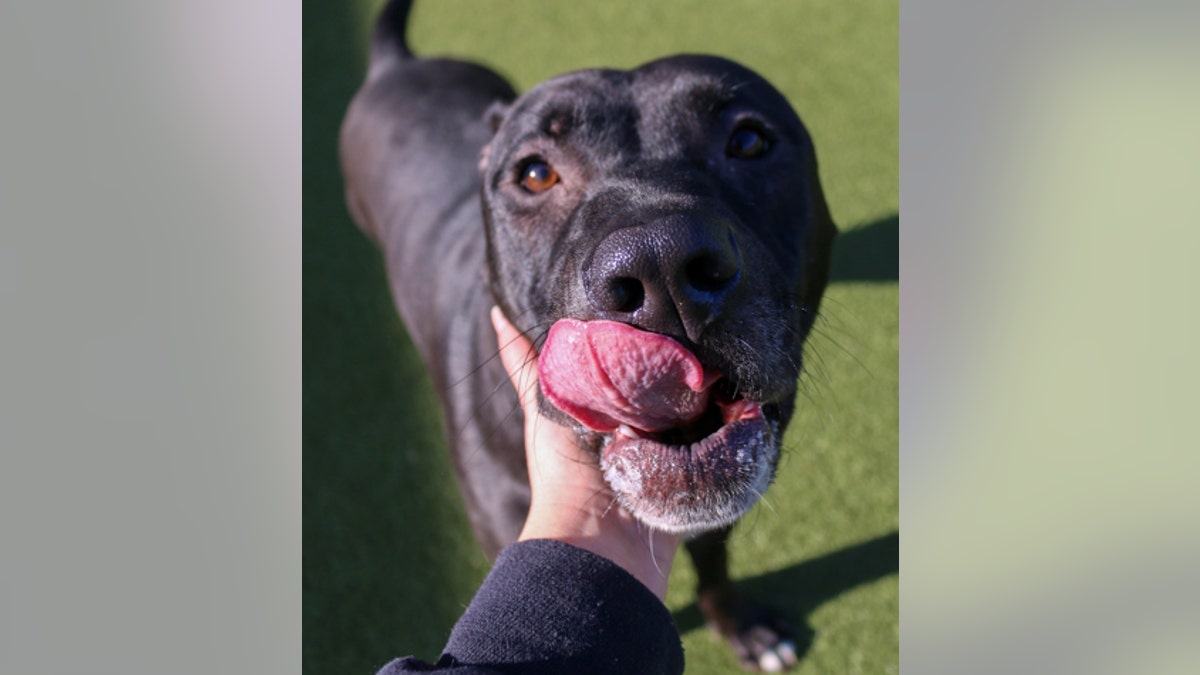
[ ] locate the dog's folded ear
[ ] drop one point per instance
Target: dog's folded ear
(493, 117)
(495, 114)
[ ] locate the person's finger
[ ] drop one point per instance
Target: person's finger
(519, 359)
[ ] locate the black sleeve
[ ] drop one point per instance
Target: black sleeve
(549, 607)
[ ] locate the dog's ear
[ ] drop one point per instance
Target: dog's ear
(493, 117)
(495, 114)
(819, 253)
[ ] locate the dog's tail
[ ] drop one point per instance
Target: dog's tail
(388, 43)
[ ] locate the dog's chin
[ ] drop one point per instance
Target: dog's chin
(695, 480)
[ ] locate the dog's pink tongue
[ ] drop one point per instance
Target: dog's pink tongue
(605, 374)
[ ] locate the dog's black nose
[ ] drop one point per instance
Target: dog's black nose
(669, 276)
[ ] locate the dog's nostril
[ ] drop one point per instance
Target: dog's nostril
(706, 273)
(626, 293)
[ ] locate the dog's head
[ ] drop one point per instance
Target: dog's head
(663, 236)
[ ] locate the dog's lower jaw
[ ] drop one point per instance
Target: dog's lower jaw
(691, 489)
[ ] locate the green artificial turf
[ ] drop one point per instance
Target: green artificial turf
(389, 560)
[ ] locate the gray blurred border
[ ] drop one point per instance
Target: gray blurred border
(1048, 371)
(150, 353)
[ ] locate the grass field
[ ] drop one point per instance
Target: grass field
(389, 560)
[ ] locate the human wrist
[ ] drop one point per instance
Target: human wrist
(645, 554)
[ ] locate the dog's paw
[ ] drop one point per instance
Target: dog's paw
(761, 640)
(765, 646)
(779, 658)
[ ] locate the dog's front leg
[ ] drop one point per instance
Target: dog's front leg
(761, 639)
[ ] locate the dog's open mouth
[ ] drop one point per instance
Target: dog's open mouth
(684, 451)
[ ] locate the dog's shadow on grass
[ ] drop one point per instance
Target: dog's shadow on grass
(868, 253)
(797, 591)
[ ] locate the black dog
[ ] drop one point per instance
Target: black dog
(675, 206)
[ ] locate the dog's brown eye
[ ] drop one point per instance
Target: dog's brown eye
(746, 143)
(538, 176)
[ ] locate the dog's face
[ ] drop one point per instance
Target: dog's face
(662, 235)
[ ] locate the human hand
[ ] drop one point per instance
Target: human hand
(571, 502)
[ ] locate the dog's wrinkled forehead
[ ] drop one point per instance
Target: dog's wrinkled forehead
(692, 88)
(588, 107)
(655, 109)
